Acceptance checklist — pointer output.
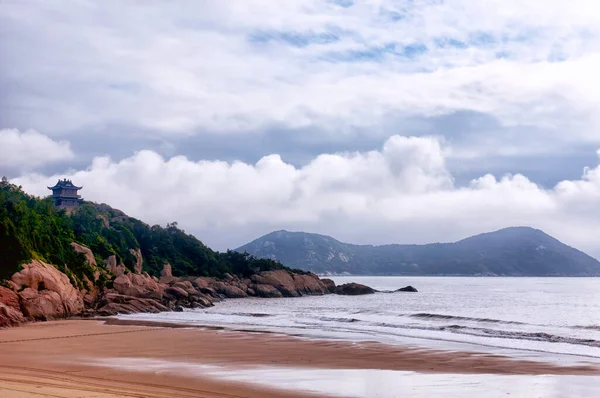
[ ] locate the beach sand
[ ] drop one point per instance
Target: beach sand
(81, 358)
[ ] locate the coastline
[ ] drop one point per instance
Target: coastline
(89, 358)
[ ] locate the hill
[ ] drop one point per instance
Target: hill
(32, 228)
(517, 251)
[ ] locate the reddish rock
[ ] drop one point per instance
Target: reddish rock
(309, 284)
(229, 291)
(114, 268)
(203, 282)
(10, 310)
(280, 280)
(10, 316)
(166, 275)
(46, 292)
(266, 291)
(89, 256)
(144, 281)
(185, 285)
(137, 267)
(329, 284)
(167, 270)
(9, 298)
(114, 303)
(176, 292)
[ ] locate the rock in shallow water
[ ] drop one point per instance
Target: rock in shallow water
(407, 289)
(353, 289)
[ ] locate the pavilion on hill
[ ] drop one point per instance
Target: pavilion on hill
(64, 194)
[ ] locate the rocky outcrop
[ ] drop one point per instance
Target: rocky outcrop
(287, 283)
(42, 292)
(90, 293)
(114, 303)
(228, 290)
(309, 284)
(281, 281)
(166, 275)
(266, 291)
(353, 289)
(89, 256)
(407, 289)
(137, 267)
(10, 309)
(329, 284)
(45, 292)
(114, 268)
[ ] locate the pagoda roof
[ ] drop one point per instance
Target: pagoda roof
(64, 184)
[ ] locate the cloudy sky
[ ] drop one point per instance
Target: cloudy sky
(374, 121)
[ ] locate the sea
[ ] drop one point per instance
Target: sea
(547, 319)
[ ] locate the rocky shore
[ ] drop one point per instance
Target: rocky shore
(41, 292)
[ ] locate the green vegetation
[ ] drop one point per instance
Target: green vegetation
(517, 251)
(32, 228)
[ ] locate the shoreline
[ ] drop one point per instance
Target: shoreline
(82, 357)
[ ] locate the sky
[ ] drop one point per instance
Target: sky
(374, 121)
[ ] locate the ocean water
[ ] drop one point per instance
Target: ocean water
(367, 383)
(554, 319)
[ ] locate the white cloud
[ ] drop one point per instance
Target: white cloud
(182, 69)
(401, 193)
(29, 149)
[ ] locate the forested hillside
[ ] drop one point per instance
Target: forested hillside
(516, 251)
(32, 228)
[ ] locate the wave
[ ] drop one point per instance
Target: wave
(251, 314)
(329, 319)
(586, 327)
(462, 318)
(496, 333)
(532, 336)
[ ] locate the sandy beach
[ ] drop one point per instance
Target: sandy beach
(87, 358)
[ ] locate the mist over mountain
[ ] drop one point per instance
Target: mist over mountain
(515, 251)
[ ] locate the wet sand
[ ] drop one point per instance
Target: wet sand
(60, 359)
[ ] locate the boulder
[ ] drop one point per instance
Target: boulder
(45, 292)
(87, 253)
(266, 291)
(9, 298)
(329, 284)
(407, 289)
(10, 310)
(10, 316)
(43, 305)
(353, 289)
(203, 282)
(185, 285)
(309, 284)
(229, 291)
(137, 267)
(144, 281)
(114, 303)
(111, 265)
(176, 292)
(167, 270)
(280, 280)
(166, 275)
(122, 284)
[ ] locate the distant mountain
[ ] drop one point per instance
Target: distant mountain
(517, 251)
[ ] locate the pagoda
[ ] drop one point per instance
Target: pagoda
(64, 194)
